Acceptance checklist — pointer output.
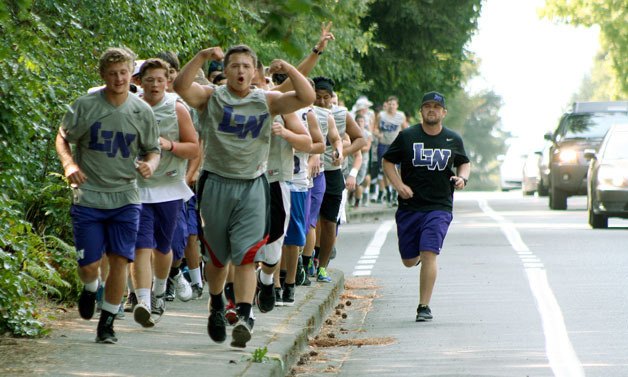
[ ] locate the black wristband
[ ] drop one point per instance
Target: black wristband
(465, 180)
(317, 51)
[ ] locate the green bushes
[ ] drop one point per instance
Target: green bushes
(32, 267)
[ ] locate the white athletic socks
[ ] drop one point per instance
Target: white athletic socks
(111, 308)
(92, 287)
(143, 295)
(160, 286)
(195, 275)
(265, 278)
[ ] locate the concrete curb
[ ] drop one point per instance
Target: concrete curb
(293, 332)
(372, 213)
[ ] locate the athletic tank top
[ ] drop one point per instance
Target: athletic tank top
(321, 116)
(300, 177)
(280, 158)
(340, 117)
(171, 168)
(236, 134)
(389, 126)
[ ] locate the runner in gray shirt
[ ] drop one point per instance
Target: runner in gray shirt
(233, 192)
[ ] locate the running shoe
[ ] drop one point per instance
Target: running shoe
(158, 308)
(131, 301)
(182, 287)
(141, 314)
(230, 313)
(322, 275)
(170, 290)
(197, 291)
(104, 331)
(311, 267)
(87, 304)
(217, 325)
(288, 295)
(423, 313)
(241, 333)
(278, 301)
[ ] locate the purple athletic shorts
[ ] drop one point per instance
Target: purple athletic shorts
(316, 199)
(187, 225)
(97, 231)
(157, 224)
(421, 231)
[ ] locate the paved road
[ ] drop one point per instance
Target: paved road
(522, 291)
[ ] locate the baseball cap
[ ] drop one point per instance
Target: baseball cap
(433, 97)
(136, 69)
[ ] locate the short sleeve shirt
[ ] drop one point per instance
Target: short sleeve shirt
(108, 141)
(427, 164)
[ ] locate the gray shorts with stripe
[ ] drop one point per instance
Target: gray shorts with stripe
(234, 217)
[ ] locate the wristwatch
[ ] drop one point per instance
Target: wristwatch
(317, 51)
(465, 180)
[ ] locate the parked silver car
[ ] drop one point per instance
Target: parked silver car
(607, 183)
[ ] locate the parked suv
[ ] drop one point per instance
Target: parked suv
(582, 128)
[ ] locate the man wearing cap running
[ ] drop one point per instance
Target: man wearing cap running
(427, 154)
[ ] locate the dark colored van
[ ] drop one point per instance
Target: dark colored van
(582, 128)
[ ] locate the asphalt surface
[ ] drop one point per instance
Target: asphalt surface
(179, 344)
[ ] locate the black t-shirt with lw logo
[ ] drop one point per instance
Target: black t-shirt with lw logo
(427, 163)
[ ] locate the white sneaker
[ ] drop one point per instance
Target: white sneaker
(182, 288)
(141, 314)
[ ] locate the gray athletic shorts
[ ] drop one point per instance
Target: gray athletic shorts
(234, 218)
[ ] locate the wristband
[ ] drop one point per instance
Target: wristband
(171, 146)
(317, 51)
(353, 173)
(465, 180)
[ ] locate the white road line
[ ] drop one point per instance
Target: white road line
(560, 353)
(368, 259)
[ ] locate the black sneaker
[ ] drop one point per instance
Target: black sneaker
(87, 304)
(301, 275)
(265, 296)
(288, 295)
(131, 301)
(104, 332)
(197, 291)
(278, 301)
(157, 307)
(170, 291)
(241, 334)
(423, 313)
(217, 326)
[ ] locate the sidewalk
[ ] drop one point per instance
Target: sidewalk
(179, 344)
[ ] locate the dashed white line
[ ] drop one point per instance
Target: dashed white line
(371, 253)
(560, 353)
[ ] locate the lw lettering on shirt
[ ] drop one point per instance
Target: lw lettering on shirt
(388, 127)
(109, 141)
(430, 158)
(241, 125)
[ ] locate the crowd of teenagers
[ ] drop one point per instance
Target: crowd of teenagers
(236, 178)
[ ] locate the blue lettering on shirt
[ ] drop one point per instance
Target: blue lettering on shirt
(388, 127)
(240, 125)
(109, 141)
(430, 158)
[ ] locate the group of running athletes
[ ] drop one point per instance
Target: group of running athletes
(266, 164)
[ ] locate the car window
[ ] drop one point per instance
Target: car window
(617, 146)
(592, 125)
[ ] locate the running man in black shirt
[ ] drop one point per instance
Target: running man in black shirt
(427, 154)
